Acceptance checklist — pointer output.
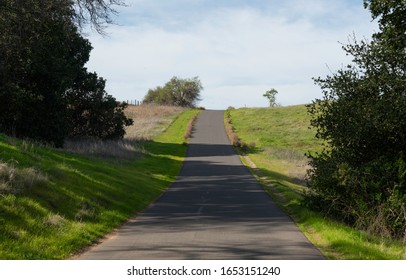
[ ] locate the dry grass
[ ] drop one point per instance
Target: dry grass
(149, 122)
(189, 128)
(294, 163)
(54, 220)
(232, 136)
(126, 149)
(14, 180)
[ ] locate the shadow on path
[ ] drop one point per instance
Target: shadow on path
(214, 210)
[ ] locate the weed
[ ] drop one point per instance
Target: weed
(86, 212)
(54, 220)
(14, 180)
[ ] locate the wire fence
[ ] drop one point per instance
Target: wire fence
(133, 102)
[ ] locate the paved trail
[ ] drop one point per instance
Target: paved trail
(214, 210)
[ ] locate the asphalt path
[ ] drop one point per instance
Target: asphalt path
(214, 210)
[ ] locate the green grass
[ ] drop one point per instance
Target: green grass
(76, 199)
(278, 128)
(282, 137)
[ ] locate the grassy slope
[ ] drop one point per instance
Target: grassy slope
(151, 120)
(81, 198)
(282, 137)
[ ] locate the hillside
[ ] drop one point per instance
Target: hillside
(54, 202)
(282, 137)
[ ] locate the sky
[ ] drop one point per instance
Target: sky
(238, 49)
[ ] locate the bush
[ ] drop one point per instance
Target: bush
(370, 197)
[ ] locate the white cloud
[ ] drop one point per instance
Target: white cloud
(237, 51)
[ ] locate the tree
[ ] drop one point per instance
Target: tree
(176, 92)
(42, 57)
(360, 177)
(40, 52)
(271, 96)
(92, 112)
(97, 13)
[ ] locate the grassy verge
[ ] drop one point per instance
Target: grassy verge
(69, 200)
(281, 137)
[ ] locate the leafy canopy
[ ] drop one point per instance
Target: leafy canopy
(176, 92)
(361, 177)
(42, 65)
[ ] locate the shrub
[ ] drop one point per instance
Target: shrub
(371, 197)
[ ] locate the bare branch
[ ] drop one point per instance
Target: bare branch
(96, 13)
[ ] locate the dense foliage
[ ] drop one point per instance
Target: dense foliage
(92, 112)
(42, 58)
(176, 92)
(361, 177)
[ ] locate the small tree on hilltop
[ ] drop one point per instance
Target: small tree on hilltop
(271, 95)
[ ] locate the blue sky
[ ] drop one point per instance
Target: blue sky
(238, 49)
